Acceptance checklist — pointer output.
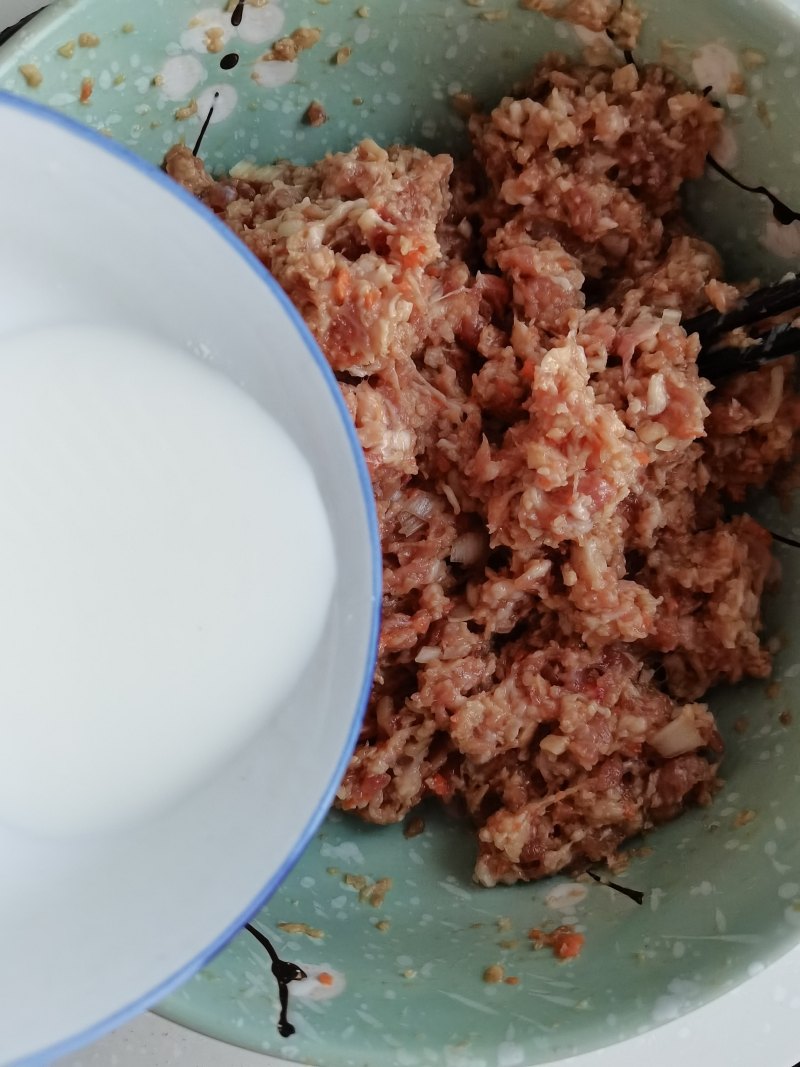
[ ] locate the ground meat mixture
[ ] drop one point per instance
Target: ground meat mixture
(562, 583)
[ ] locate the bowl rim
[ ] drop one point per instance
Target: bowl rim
(42, 113)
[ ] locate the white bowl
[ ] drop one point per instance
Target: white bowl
(92, 932)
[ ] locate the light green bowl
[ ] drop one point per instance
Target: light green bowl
(721, 902)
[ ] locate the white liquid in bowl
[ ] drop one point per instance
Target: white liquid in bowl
(166, 568)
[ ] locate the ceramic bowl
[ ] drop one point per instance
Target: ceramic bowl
(91, 234)
(722, 898)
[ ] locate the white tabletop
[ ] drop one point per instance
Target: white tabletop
(754, 1026)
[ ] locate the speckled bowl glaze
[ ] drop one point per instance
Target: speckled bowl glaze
(721, 900)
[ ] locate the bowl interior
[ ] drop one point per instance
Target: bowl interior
(156, 897)
(722, 901)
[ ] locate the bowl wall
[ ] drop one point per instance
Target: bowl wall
(92, 235)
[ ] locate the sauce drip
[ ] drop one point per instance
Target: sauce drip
(238, 12)
(204, 127)
(229, 61)
(7, 34)
(635, 895)
(785, 540)
(284, 973)
(782, 212)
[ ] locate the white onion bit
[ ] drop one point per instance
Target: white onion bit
(679, 736)
(468, 548)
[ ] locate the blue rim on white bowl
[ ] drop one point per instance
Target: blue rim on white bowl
(177, 978)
